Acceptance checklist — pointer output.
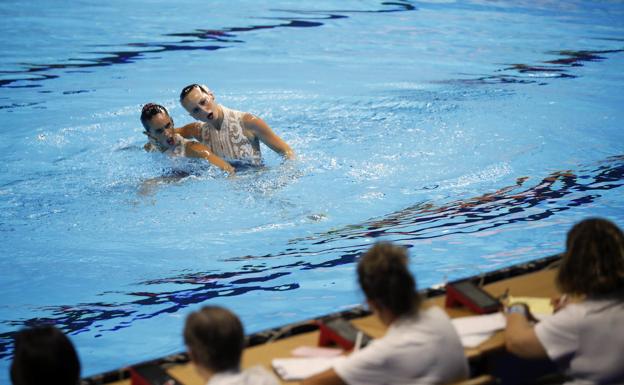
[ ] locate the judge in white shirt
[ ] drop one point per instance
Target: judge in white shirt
(586, 337)
(215, 341)
(421, 345)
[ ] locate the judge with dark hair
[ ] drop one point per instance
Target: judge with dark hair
(44, 355)
(420, 346)
(584, 337)
(215, 341)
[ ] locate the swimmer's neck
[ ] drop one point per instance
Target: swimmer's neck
(219, 121)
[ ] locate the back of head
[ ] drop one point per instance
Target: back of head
(44, 355)
(593, 263)
(384, 277)
(215, 338)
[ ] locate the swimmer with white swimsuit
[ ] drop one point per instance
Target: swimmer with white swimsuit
(232, 135)
(162, 137)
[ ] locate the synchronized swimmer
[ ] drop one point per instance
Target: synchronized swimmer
(220, 135)
(162, 137)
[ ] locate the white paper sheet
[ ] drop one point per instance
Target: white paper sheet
(292, 369)
(474, 330)
(315, 351)
(474, 340)
(478, 324)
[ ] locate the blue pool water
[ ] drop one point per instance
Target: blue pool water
(476, 133)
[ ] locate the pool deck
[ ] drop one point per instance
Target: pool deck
(535, 284)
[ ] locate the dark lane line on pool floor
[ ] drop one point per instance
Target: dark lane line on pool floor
(525, 73)
(225, 35)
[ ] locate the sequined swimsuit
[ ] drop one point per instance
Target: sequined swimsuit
(229, 142)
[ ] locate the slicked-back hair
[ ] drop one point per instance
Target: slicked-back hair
(190, 87)
(384, 277)
(215, 338)
(44, 355)
(149, 111)
(593, 263)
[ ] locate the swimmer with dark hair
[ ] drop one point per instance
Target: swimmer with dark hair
(163, 137)
(233, 135)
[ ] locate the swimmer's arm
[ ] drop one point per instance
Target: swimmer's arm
(198, 150)
(190, 131)
(267, 136)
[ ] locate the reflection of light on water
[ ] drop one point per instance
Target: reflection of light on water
(367, 171)
(129, 111)
(490, 173)
(373, 195)
(267, 227)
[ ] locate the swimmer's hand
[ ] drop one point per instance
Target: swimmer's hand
(230, 171)
(289, 154)
(198, 150)
(152, 144)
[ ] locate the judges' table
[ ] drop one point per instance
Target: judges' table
(536, 284)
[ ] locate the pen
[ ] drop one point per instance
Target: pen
(358, 340)
(503, 298)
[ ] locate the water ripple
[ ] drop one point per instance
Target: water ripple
(510, 205)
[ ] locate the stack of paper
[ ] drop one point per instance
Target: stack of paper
(474, 330)
(292, 369)
(316, 351)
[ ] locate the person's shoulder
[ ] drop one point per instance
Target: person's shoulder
(248, 117)
(232, 111)
(253, 123)
(595, 306)
(430, 324)
(569, 317)
(577, 309)
(434, 315)
(436, 312)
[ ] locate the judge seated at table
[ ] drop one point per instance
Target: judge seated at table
(420, 346)
(585, 337)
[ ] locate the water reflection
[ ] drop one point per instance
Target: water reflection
(537, 73)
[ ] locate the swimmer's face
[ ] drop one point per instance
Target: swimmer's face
(160, 128)
(200, 105)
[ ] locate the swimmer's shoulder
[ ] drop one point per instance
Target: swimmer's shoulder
(191, 130)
